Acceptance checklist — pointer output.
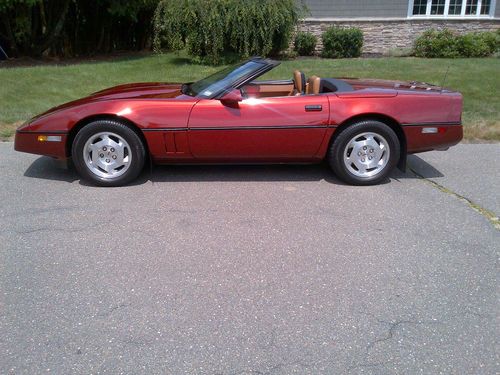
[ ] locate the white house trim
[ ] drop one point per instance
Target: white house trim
(415, 18)
(464, 16)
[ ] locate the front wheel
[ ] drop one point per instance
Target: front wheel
(108, 153)
(364, 153)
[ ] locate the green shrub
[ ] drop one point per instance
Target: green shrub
(305, 43)
(445, 43)
(437, 43)
(477, 44)
(208, 29)
(342, 42)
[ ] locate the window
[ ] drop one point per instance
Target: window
(214, 84)
(471, 7)
(485, 7)
(451, 8)
(455, 8)
(437, 7)
(419, 7)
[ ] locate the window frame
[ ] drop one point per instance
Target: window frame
(446, 14)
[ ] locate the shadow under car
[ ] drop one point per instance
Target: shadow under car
(47, 168)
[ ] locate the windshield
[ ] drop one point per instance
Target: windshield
(213, 84)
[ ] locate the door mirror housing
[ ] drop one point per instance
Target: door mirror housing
(232, 98)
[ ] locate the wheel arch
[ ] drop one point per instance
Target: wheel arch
(389, 121)
(89, 119)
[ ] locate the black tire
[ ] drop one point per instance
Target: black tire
(340, 156)
(131, 145)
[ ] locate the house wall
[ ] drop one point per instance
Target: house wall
(381, 37)
(357, 8)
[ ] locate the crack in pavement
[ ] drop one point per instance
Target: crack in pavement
(393, 327)
(49, 229)
(41, 211)
(489, 215)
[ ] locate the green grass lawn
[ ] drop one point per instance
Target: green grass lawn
(26, 91)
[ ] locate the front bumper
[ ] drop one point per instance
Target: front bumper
(54, 145)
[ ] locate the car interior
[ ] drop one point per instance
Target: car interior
(297, 86)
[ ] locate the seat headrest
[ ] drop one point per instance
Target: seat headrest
(313, 85)
(299, 80)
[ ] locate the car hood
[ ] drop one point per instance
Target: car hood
(139, 90)
(150, 90)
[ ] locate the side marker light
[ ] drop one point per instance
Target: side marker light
(49, 138)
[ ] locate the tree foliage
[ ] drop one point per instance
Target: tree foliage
(74, 27)
(209, 28)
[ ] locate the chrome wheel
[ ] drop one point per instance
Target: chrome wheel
(366, 154)
(107, 155)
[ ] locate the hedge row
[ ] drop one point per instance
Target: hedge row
(338, 42)
(446, 43)
(347, 42)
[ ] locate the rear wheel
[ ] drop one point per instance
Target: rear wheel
(108, 153)
(364, 153)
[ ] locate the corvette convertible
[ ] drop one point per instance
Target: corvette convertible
(363, 128)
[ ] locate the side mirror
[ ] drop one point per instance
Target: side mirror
(232, 98)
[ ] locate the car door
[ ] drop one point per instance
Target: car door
(266, 129)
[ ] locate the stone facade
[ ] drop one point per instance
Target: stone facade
(382, 36)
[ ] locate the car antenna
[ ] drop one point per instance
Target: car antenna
(444, 78)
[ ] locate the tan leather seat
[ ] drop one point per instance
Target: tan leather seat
(299, 80)
(313, 85)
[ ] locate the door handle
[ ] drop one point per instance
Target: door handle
(314, 108)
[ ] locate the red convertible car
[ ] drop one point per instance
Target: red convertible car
(363, 128)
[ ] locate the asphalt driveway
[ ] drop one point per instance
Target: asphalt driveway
(251, 270)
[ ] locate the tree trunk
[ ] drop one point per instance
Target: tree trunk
(11, 39)
(56, 31)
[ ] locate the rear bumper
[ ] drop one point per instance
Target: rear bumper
(26, 141)
(427, 137)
